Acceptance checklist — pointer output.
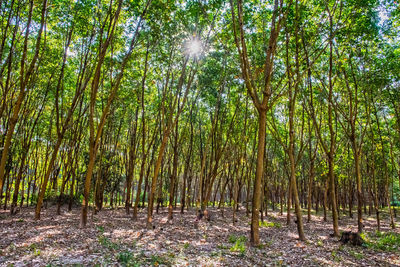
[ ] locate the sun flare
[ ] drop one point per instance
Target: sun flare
(194, 47)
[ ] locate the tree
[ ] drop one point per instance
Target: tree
(264, 104)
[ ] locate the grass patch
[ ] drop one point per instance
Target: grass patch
(100, 229)
(388, 241)
(222, 246)
(356, 255)
(335, 256)
(34, 248)
(233, 238)
(107, 243)
(36, 252)
(127, 258)
(157, 260)
(269, 224)
(239, 244)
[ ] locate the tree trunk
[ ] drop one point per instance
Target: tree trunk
(174, 173)
(254, 231)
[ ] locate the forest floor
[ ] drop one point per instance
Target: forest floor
(112, 238)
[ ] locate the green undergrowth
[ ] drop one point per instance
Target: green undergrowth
(270, 224)
(382, 241)
(238, 244)
(130, 256)
(127, 258)
(357, 255)
(105, 241)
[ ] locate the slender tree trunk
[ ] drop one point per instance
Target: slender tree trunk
(289, 201)
(131, 164)
(333, 197)
(17, 183)
(254, 231)
(359, 193)
(174, 173)
(187, 163)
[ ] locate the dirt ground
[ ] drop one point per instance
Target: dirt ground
(113, 239)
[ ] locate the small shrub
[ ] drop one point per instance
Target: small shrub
(232, 239)
(36, 252)
(239, 245)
